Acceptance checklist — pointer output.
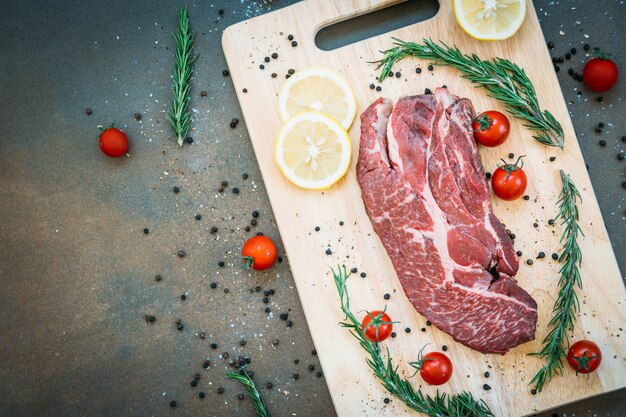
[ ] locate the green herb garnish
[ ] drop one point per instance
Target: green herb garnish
(253, 392)
(442, 405)
(566, 305)
(504, 81)
(178, 116)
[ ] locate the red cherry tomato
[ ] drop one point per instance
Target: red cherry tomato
(434, 367)
(600, 74)
(259, 252)
(113, 142)
(509, 181)
(584, 356)
(491, 128)
(377, 326)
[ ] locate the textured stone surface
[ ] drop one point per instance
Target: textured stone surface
(76, 269)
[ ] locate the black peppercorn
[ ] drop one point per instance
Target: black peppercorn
(526, 197)
(398, 74)
(176, 190)
(274, 55)
(296, 376)
(511, 155)
(194, 383)
(201, 394)
(158, 278)
(602, 142)
(555, 256)
(486, 387)
(183, 297)
(266, 300)
(289, 323)
(418, 70)
(220, 390)
(354, 270)
(291, 71)
(363, 274)
(427, 91)
(221, 12)
(620, 156)
(372, 86)
(599, 99)
(262, 66)
(444, 348)
(529, 261)
(407, 330)
(294, 43)
(568, 56)
(533, 391)
(181, 253)
(541, 255)
(430, 68)
(172, 403)
(221, 264)
(213, 285)
(290, 37)
(214, 229)
(557, 68)
(329, 252)
(378, 88)
(586, 47)
(573, 51)
(550, 44)
(137, 116)
(386, 400)
(266, 59)
(552, 158)
(519, 253)
(146, 231)
(551, 222)
(386, 296)
(255, 213)
(311, 368)
(486, 374)
(88, 111)
(198, 216)
(225, 73)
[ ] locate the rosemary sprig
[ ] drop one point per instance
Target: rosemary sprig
(255, 395)
(566, 305)
(504, 81)
(442, 405)
(178, 116)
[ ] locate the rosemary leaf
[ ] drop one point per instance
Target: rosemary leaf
(178, 115)
(566, 305)
(442, 405)
(503, 80)
(253, 392)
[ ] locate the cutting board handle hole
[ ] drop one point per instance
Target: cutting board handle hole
(365, 26)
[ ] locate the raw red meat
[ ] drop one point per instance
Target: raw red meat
(426, 194)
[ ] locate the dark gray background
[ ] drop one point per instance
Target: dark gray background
(76, 270)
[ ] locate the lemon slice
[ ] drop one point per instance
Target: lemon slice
(490, 20)
(318, 89)
(313, 150)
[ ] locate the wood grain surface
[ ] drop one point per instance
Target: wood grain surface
(353, 387)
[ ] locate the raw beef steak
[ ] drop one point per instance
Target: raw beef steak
(426, 194)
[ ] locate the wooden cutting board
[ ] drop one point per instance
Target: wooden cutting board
(354, 389)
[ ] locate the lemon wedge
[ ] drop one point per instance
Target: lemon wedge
(313, 150)
(490, 20)
(318, 89)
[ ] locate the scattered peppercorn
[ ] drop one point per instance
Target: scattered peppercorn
(240, 396)
(363, 274)
(262, 66)
(158, 278)
(245, 90)
(291, 71)
(428, 323)
(354, 270)
(550, 44)
(541, 255)
(386, 400)
(378, 88)
(529, 261)
(511, 155)
(552, 158)
(430, 68)
(203, 93)
(602, 142)
(289, 323)
(213, 285)
(311, 368)
(176, 190)
(386, 296)
(88, 111)
(294, 43)
(266, 300)
(557, 68)
(206, 364)
(486, 387)
(220, 390)
(398, 74)
(183, 297)
(535, 225)
(573, 51)
(318, 374)
(266, 59)
(329, 252)
(290, 37)
(225, 73)
(519, 253)
(181, 253)
(172, 403)
(221, 12)
(444, 348)
(372, 86)
(551, 222)
(149, 318)
(194, 383)
(427, 91)
(599, 99)
(488, 175)
(393, 334)
(418, 70)
(407, 330)
(568, 55)
(620, 156)
(486, 374)
(533, 391)
(317, 228)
